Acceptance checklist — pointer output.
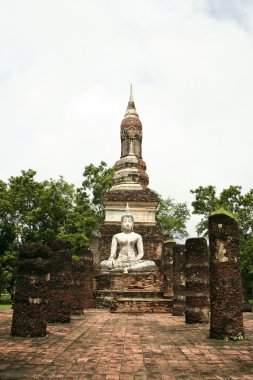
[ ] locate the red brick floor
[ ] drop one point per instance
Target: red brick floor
(104, 346)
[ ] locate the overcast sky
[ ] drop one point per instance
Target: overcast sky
(65, 72)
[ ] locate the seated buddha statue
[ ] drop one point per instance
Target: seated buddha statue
(127, 250)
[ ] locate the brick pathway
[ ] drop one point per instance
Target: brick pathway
(104, 346)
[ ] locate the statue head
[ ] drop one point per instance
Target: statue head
(127, 221)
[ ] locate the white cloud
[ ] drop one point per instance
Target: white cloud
(65, 70)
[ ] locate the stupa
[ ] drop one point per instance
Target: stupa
(131, 292)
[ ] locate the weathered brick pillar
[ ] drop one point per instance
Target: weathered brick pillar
(78, 287)
(60, 284)
(167, 268)
(94, 247)
(225, 278)
(82, 287)
(30, 293)
(178, 280)
(86, 255)
(197, 281)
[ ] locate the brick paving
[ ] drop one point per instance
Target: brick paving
(105, 346)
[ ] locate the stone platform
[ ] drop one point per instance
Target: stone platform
(139, 292)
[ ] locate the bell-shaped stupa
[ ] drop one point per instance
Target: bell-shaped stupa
(130, 169)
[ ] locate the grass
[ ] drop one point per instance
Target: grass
(5, 301)
(5, 307)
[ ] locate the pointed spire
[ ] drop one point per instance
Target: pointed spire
(131, 93)
(131, 110)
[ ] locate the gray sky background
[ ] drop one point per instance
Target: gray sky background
(65, 71)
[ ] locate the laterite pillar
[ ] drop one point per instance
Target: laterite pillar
(197, 281)
(30, 293)
(178, 280)
(225, 278)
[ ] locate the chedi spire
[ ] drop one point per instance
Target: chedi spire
(130, 169)
(131, 110)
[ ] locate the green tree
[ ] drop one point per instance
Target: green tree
(7, 225)
(241, 206)
(80, 222)
(231, 199)
(56, 203)
(39, 209)
(30, 211)
(97, 180)
(172, 218)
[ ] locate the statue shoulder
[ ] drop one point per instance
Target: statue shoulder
(138, 235)
(118, 235)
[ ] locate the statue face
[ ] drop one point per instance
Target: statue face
(127, 224)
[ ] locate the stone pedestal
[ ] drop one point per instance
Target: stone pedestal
(30, 293)
(131, 292)
(179, 280)
(61, 281)
(225, 279)
(197, 281)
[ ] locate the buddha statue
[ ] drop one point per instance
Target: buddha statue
(129, 247)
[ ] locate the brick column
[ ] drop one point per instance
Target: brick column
(197, 281)
(61, 279)
(167, 268)
(94, 247)
(30, 293)
(178, 280)
(225, 278)
(78, 287)
(86, 255)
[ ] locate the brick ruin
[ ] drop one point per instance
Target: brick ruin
(197, 281)
(60, 283)
(178, 279)
(82, 282)
(166, 267)
(30, 293)
(225, 279)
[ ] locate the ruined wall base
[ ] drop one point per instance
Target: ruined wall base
(131, 292)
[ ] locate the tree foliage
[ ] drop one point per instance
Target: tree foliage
(30, 211)
(172, 218)
(97, 180)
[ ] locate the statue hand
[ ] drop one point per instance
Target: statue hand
(111, 261)
(138, 257)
